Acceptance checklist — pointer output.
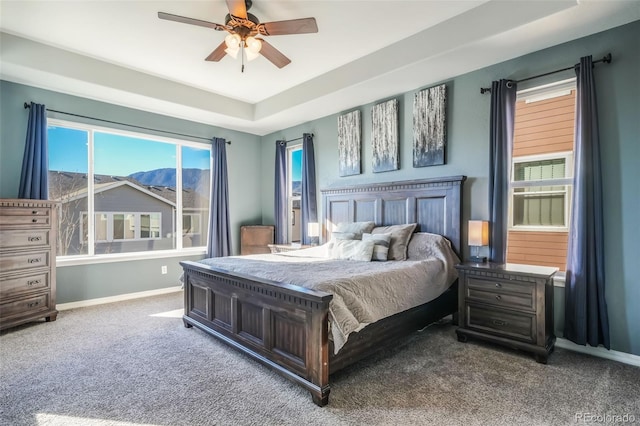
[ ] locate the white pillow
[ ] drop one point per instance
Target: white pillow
(352, 250)
(381, 247)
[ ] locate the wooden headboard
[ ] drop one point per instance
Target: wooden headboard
(434, 204)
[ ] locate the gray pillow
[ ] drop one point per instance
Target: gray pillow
(343, 235)
(351, 250)
(381, 248)
(424, 245)
(357, 228)
(400, 236)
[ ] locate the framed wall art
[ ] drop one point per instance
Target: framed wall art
(349, 143)
(384, 136)
(430, 126)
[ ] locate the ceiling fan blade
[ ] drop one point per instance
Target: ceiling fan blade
(218, 53)
(292, 26)
(185, 20)
(274, 55)
(237, 8)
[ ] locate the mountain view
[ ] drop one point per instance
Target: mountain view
(193, 179)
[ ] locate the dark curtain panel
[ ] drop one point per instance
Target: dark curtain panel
(586, 319)
(503, 106)
(219, 243)
(34, 180)
(280, 201)
(309, 205)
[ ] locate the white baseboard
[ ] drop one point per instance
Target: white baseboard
(118, 298)
(599, 352)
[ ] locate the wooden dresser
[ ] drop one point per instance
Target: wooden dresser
(508, 304)
(27, 261)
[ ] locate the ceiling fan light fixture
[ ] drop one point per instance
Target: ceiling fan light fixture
(253, 44)
(232, 41)
(232, 52)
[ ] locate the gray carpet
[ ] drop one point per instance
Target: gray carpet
(134, 363)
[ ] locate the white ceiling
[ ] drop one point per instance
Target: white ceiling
(365, 50)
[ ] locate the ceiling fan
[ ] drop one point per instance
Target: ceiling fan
(243, 27)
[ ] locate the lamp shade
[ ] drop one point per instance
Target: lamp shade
(313, 229)
(478, 233)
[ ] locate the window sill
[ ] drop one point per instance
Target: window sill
(126, 257)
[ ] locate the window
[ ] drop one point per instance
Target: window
(540, 197)
(124, 192)
(294, 176)
(541, 175)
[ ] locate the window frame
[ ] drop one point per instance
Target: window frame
(566, 181)
(91, 257)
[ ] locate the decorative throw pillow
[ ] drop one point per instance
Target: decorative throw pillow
(400, 236)
(352, 250)
(357, 228)
(381, 247)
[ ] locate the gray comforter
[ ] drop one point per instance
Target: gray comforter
(363, 292)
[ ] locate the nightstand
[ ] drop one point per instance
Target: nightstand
(508, 304)
(280, 248)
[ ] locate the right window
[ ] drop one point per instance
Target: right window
(542, 175)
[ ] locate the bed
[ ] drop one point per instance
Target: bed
(287, 326)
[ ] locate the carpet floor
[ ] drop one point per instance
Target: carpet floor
(134, 363)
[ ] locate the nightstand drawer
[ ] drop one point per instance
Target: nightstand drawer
(497, 284)
(509, 324)
(507, 300)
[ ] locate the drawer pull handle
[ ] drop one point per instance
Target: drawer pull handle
(33, 282)
(31, 305)
(33, 239)
(498, 285)
(499, 323)
(498, 297)
(34, 212)
(34, 220)
(34, 260)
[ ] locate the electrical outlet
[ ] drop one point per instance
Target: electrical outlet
(164, 269)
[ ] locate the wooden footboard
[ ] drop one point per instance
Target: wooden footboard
(283, 326)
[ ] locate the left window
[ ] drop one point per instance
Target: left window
(123, 192)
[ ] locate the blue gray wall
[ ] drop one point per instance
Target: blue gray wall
(468, 154)
(109, 279)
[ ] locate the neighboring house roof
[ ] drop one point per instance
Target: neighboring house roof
(68, 186)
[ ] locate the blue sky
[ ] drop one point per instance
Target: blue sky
(116, 155)
(296, 165)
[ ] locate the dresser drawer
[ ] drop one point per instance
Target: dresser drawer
(24, 261)
(25, 306)
(504, 299)
(15, 239)
(16, 284)
(25, 216)
(515, 325)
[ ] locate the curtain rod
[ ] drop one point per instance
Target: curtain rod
(296, 139)
(26, 106)
(606, 59)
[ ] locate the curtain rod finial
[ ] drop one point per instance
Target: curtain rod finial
(607, 58)
(26, 105)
